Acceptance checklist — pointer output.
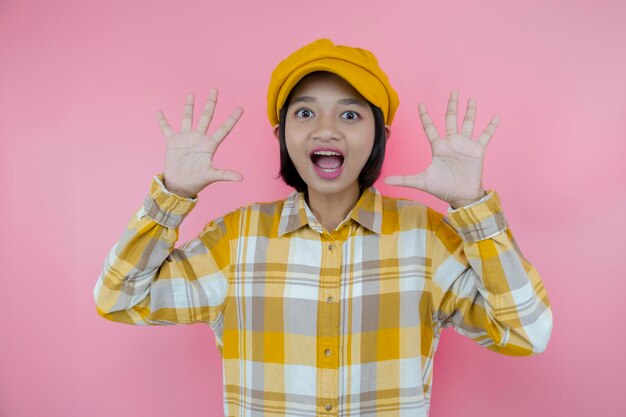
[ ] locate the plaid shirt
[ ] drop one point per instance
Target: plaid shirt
(312, 323)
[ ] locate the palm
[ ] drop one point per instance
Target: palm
(455, 173)
(189, 154)
(456, 169)
(189, 160)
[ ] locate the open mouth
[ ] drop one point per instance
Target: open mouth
(327, 161)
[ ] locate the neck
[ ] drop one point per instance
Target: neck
(332, 209)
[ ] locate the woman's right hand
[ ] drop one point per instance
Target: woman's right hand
(189, 153)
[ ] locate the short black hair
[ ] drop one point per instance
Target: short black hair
(370, 172)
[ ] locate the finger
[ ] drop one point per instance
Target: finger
(207, 113)
(427, 123)
(413, 181)
(165, 127)
(451, 114)
(228, 125)
(227, 175)
(188, 113)
(470, 116)
(489, 130)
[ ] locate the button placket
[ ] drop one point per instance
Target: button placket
(328, 388)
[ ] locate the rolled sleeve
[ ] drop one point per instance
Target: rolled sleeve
(164, 207)
(480, 220)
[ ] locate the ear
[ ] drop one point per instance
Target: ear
(387, 132)
(276, 131)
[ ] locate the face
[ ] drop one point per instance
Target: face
(329, 134)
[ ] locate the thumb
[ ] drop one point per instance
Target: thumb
(228, 175)
(414, 181)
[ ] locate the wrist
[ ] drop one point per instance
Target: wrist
(177, 191)
(466, 202)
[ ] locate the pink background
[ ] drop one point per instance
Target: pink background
(80, 82)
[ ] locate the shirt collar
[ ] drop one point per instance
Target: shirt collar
(296, 213)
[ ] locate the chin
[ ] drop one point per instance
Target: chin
(331, 188)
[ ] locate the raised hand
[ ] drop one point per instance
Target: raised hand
(189, 153)
(455, 173)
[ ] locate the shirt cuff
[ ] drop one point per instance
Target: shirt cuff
(480, 220)
(484, 198)
(164, 207)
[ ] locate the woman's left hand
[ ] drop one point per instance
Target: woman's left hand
(455, 173)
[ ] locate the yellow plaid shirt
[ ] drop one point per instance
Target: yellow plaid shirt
(316, 323)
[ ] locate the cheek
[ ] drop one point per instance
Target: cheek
(367, 145)
(294, 150)
(293, 143)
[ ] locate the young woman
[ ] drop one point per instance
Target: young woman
(332, 300)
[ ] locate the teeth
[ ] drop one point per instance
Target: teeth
(326, 153)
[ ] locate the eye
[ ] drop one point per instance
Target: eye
(306, 113)
(351, 115)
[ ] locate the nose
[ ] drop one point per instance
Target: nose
(326, 128)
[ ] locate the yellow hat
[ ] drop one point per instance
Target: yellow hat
(357, 66)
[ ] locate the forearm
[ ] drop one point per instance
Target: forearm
(517, 303)
(135, 260)
(498, 299)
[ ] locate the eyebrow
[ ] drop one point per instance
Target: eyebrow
(309, 99)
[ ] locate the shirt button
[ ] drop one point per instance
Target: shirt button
(328, 406)
(330, 299)
(328, 352)
(331, 247)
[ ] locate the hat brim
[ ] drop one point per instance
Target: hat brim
(362, 80)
